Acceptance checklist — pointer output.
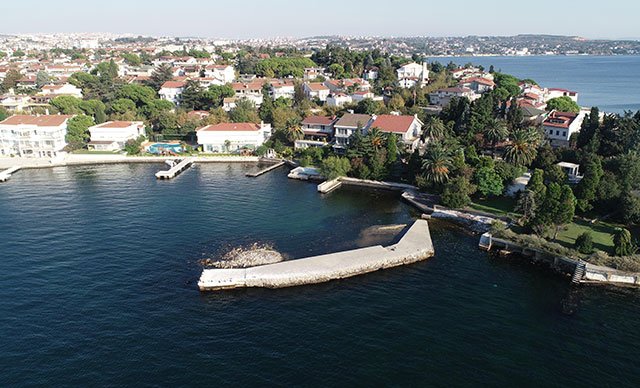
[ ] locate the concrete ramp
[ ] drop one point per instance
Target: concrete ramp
(415, 245)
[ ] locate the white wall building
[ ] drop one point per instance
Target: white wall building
(413, 73)
(339, 99)
(230, 137)
(442, 97)
(61, 90)
(33, 136)
(316, 90)
(113, 135)
(347, 125)
(171, 91)
(559, 126)
(222, 74)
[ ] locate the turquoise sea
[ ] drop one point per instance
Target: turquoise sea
(98, 271)
(610, 82)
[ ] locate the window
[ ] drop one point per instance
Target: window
(564, 133)
(557, 133)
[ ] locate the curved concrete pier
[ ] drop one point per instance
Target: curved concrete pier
(414, 246)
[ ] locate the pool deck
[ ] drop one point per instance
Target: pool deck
(415, 245)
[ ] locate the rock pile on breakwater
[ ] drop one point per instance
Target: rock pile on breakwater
(245, 257)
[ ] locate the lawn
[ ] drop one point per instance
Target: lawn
(501, 206)
(601, 232)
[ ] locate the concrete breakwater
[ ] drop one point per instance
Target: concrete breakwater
(415, 245)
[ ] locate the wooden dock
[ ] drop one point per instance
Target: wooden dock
(175, 170)
(266, 170)
(414, 246)
(6, 174)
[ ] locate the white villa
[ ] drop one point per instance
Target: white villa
(61, 90)
(413, 73)
(33, 136)
(408, 128)
(339, 99)
(442, 97)
(348, 124)
(559, 126)
(316, 90)
(229, 137)
(221, 74)
(113, 135)
(171, 91)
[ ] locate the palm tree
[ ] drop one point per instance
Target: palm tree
(523, 147)
(436, 164)
(294, 132)
(376, 138)
(495, 131)
(434, 128)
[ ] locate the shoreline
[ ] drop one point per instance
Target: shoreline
(89, 159)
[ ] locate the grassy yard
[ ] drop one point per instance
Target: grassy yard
(601, 232)
(501, 206)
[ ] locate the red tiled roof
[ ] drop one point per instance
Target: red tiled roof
(173, 84)
(116, 124)
(38, 121)
(393, 123)
(318, 120)
(222, 127)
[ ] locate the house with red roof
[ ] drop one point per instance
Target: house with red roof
(559, 126)
(408, 128)
(232, 137)
(172, 90)
(316, 90)
(33, 136)
(318, 131)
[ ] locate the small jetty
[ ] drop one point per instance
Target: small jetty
(6, 174)
(266, 170)
(415, 245)
(176, 169)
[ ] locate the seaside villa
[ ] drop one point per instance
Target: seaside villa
(559, 126)
(113, 135)
(33, 136)
(230, 137)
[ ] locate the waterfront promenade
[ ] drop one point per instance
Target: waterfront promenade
(415, 245)
(88, 159)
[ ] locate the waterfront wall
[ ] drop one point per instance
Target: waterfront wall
(90, 159)
(415, 245)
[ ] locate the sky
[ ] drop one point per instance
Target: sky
(244, 19)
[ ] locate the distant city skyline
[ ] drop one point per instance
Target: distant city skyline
(287, 18)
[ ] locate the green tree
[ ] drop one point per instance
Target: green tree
(623, 243)
(522, 148)
(42, 78)
(123, 106)
(584, 243)
(527, 207)
(589, 130)
(11, 79)
(494, 132)
(367, 106)
(77, 131)
(457, 193)
(587, 188)
(434, 128)
(488, 182)
(334, 167)
(244, 112)
(436, 164)
(563, 104)
(392, 148)
(160, 75)
(67, 105)
(133, 146)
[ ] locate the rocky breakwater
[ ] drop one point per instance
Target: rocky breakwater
(415, 245)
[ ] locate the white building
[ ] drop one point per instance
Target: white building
(442, 97)
(413, 73)
(559, 126)
(251, 91)
(222, 74)
(284, 89)
(33, 136)
(316, 90)
(556, 92)
(338, 99)
(408, 128)
(171, 91)
(347, 125)
(230, 137)
(61, 90)
(113, 135)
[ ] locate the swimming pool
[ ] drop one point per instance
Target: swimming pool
(160, 148)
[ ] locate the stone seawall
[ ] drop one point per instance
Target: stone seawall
(415, 245)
